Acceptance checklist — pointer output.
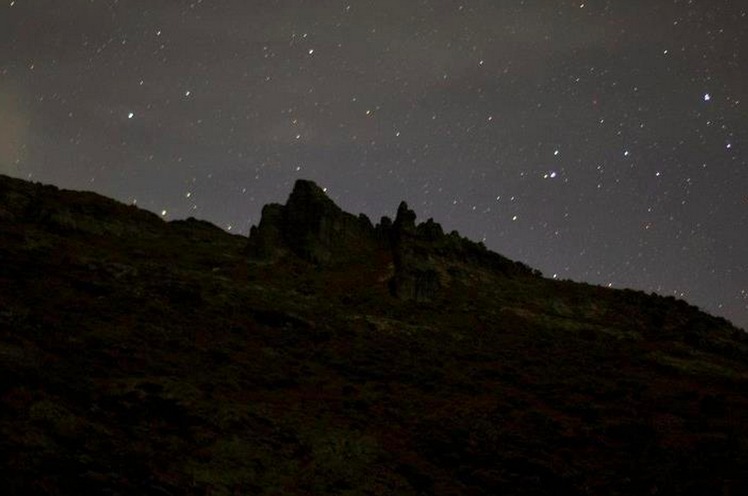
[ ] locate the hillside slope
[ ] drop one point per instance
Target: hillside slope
(329, 355)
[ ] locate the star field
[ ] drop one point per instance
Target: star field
(599, 141)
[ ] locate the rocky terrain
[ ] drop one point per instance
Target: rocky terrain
(327, 354)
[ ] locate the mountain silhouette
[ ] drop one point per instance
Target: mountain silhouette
(326, 354)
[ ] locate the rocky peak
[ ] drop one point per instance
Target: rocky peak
(416, 277)
(310, 225)
(308, 201)
(405, 220)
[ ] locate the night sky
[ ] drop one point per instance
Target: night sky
(599, 141)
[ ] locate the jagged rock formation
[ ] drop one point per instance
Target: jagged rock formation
(311, 226)
(424, 260)
(416, 277)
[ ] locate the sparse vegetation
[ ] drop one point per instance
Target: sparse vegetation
(144, 357)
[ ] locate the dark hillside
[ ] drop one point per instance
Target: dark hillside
(331, 355)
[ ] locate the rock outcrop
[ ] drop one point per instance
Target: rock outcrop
(67, 212)
(416, 277)
(424, 259)
(311, 226)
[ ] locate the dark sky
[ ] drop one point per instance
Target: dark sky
(601, 141)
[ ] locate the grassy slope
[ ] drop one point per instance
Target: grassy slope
(140, 357)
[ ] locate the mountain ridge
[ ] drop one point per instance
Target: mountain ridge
(327, 354)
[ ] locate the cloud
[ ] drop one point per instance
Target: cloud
(14, 131)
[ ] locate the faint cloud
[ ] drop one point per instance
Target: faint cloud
(14, 131)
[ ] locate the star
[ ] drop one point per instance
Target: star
(406, 103)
